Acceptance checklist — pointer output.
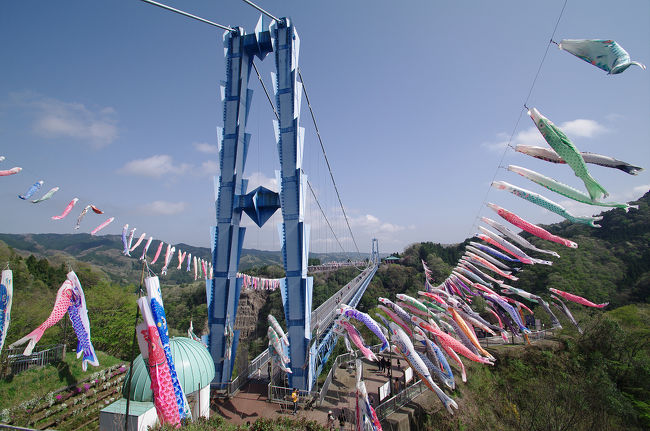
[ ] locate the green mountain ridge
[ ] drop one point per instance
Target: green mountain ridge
(104, 254)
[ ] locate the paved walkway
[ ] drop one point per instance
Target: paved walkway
(251, 402)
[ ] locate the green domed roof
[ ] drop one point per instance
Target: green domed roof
(194, 368)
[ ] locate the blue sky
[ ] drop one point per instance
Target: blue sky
(117, 103)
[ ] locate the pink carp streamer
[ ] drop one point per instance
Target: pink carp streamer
(11, 171)
(577, 299)
(530, 228)
(67, 209)
(195, 268)
(137, 244)
(155, 258)
(61, 304)
(181, 258)
(168, 257)
(356, 338)
(152, 351)
(146, 248)
(102, 226)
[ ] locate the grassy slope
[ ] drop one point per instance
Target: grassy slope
(38, 382)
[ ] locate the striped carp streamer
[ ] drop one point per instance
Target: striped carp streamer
(102, 226)
(81, 216)
(6, 299)
(529, 227)
(278, 329)
(125, 245)
(129, 241)
(164, 397)
(565, 190)
(158, 311)
(33, 189)
(46, 196)
(67, 209)
(568, 152)
(549, 155)
(364, 318)
(604, 54)
(276, 343)
(545, 203)
(70, 299)
(146, 248)
(189, 262)
(11, 171)
(155, 258)
(516, 237)
(404, 346)
(488, 258)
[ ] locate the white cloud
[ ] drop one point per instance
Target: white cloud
(643, 189)
(204, 147)
(257, 179)
(582, 128)
(154, 166)
(210, 167)
(57, 119)
(530, 136)
(163, 208)
(578, 128)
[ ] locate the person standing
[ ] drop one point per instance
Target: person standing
(294, 399)
(341, 421)
(330, 421)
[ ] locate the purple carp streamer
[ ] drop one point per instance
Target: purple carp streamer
(370, 323)
(6, 299)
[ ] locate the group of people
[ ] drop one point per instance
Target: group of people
(383, 364)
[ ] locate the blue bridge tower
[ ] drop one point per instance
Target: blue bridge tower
(232, 199)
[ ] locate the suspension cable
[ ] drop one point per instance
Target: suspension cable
(189, 15)
(329, 168)
(268, 97)
(521, 112)
(261, 10)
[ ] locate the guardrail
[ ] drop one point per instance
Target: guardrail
(43, 355)
(397, 401)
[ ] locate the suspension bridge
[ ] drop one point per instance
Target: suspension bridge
(310, 332)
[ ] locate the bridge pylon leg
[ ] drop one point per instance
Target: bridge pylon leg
(294, 233)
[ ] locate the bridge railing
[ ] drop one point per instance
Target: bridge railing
(323, 315)
(397, 401)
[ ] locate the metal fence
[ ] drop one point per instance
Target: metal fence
(43, 355)
(282, 395)
(394, 403)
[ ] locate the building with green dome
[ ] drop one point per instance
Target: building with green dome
(195, 370)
